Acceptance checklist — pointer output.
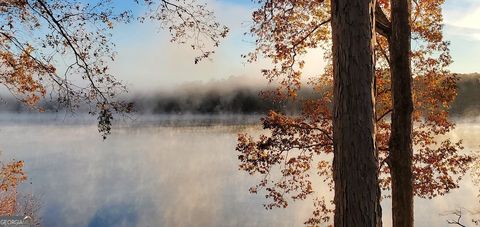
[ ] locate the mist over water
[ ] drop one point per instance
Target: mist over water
(150, 173)
(139, 176)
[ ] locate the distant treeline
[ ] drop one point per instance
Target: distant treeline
(237, 100)
(228, 98)
(217, 101)
(467, 102)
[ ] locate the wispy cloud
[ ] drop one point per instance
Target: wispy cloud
(463, 30)
(462, 21)
(472, 34)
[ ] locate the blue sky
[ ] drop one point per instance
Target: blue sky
(147, 61)
(462, 28)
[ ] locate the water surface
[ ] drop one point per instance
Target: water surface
(153, 173)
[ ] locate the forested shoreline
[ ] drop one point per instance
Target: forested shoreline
(228, 99)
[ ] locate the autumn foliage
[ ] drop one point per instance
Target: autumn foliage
(11, 175)
(13, 202)
(295, 148)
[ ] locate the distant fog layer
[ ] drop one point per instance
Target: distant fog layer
(231, 97)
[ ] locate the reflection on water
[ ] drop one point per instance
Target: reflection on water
(166, 176)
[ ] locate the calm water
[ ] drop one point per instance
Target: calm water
(149, 173)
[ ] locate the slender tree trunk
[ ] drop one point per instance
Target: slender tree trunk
(355, 161)
(401, 152)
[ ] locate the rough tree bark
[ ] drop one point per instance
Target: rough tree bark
(401, 152)
(355, 161)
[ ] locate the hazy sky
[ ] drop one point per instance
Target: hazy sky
(147, 61)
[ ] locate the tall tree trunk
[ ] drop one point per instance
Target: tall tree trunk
(355, 161)
(401, 152)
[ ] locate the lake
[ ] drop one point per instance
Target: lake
(167, 171)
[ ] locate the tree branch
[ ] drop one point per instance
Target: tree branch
(384, 114)
(78, 56)
(382, 23)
